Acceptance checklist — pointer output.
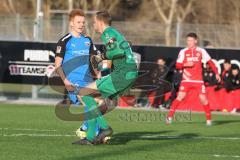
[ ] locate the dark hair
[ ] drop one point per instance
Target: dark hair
(192, 35)
(235, 67)
(105, 17)
(206, 43)
(160, 58)
(227, 61)
(76, 12)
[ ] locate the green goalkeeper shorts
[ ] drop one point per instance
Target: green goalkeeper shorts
(105, 86)
(111, 86)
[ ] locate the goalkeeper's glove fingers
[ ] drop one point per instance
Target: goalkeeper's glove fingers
(96, 59)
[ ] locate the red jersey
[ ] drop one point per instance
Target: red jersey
(197, 56)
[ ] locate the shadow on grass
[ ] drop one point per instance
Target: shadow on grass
(222, 122)
(119, 146)
(124, 138)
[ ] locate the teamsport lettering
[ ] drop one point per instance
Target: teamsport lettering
(27, 70)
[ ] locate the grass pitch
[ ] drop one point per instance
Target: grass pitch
(33, 132)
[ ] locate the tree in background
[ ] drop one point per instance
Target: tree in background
(167, 12)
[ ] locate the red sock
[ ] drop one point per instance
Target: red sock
(173, 107)
(207, 112)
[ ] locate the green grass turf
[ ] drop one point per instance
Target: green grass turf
(135, 136)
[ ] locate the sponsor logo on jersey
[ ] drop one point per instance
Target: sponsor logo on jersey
(79, 52)
(111, 40)
(87, 43)
(192, 59)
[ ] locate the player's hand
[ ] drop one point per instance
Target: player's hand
(188, 64)
(68, 85)
(218, 78)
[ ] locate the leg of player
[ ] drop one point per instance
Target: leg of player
(94, 118)
(204, 102)
(81, 132)
(174, 106)
(105, 131)
(88, 90)
(91, 123)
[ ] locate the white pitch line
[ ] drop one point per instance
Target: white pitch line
(143, 136)
(28, 129)
(38, 135)
(226, 156)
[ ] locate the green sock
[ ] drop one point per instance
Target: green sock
(102, 122)
(94, 117)
(91, 129)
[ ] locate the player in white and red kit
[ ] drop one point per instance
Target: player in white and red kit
(190, 61)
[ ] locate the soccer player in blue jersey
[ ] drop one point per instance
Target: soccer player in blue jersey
(73, 65)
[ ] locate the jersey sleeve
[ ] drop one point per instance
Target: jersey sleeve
(92, 51)
(60, 49)
(205, 56)
(207, 59)
(180, 58)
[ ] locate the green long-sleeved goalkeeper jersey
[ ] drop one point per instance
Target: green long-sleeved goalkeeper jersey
(124, 71)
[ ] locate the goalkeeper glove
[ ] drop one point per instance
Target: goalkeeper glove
(97, 61)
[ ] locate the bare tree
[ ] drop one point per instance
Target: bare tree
(171, 10)
(9, 6)
(167, 12)
(183, 12)
(167, 17)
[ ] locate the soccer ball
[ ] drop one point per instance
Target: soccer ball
(106, 140)
(81, 134)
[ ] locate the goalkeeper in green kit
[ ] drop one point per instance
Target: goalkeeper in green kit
(123, 74)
